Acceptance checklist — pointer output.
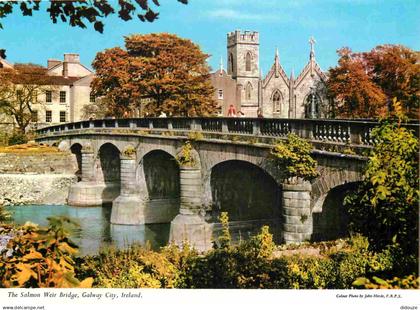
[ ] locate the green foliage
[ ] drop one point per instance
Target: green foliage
(261, 245)
(135, 267)
(130, 151)
(4, 214)
(17, 138)
(195, 136)
(41, 257)
(295, 155)
(408, 282)
(185, 156)
(309, 272)
(224, 239)
(385, 206)
(81, 13)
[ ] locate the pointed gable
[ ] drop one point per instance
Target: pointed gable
(276, 71)
(311, 68)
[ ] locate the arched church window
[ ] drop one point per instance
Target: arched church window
(248, 62)
(231, 63)
(277, 99)
(248, 91)
(312, 105)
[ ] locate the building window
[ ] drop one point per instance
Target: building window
(248, 62)
(34, 116)
(277, 101)
(62, 116)
(62, 96)
(231, 63)
(48, 96)
(248, 91)
(48, 116)
(92, 97)
(220, 94)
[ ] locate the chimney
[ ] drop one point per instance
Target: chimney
(52, 63)
(73, 58)
(65, 69)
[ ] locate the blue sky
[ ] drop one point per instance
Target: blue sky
(358, 24)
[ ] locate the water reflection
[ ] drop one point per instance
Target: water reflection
(95, 230)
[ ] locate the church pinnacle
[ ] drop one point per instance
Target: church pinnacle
(221, 64)
(312, 43)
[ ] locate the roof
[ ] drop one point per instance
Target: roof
(312, 64)
(60, 80)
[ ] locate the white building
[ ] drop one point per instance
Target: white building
(70, 91)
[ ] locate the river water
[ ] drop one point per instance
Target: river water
(95, 230)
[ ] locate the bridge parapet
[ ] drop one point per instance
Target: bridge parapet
(352, 132)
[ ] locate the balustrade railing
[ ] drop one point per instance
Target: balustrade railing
(356, 132)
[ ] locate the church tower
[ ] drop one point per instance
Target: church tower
(243, 66)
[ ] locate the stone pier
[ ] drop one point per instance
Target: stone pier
(87, 192)
(129, 207)
(189, 225)
(296, 212)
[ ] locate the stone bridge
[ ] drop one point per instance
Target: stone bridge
(136, 164)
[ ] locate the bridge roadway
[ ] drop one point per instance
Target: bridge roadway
(132, 164)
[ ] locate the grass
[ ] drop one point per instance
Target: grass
(29, 149)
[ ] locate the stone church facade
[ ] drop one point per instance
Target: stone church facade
(275, 95)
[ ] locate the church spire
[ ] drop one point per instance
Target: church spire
(276, 62)
(221, 64)
(312, 43)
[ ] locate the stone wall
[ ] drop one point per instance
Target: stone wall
(36, 179)
(54, 163)
(21, 189)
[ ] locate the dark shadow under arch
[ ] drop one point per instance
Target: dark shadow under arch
(245, 191)
(109, 161)
(161, 173)
(332, 222)
(76, 149)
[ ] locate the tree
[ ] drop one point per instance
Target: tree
(78, 13)
(158, 73)
(396, 69)
(356, 93)
(20, 88)
(364, 84)
(385, 206)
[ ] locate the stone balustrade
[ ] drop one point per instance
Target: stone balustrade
(355, 132)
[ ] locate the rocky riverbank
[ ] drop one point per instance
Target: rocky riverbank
(43, 178)
(21, 189)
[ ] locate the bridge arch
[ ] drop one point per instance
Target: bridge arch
(329, 180)
(330, 221)
(76, 149)
(115, 143)
(107, 171)
(244, 190)
(161, 175)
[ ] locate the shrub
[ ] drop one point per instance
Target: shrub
(4, 214)
(41, 257)
(385, 206)
(408, 282)
(295, 155)
(195, 136)
(185, 156)
(17, 138)
(135, 267)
